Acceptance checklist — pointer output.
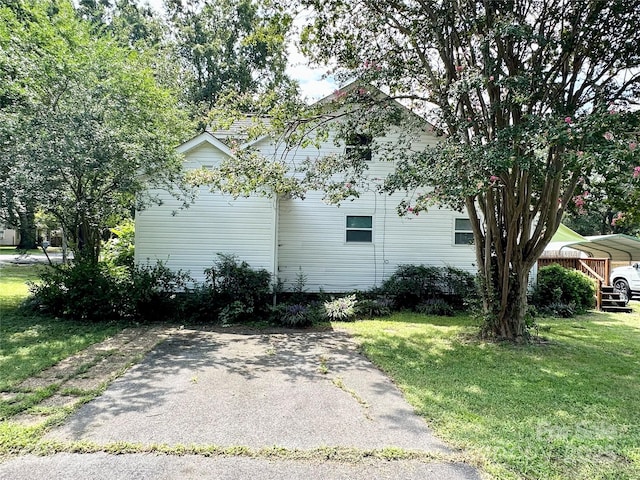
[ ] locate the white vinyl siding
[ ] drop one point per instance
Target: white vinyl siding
(311, 239)
(304, 236)
(191, 239)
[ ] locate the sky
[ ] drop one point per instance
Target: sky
(312, 84)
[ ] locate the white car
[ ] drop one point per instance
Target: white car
(627, 280)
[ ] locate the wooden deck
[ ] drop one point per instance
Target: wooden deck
(599, 269)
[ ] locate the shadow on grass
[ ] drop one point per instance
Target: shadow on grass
(538, 410)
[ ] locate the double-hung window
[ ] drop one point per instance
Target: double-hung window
(463, 232)
(359, 229)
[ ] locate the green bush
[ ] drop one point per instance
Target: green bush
(413, 285)
(563, 292)
(120, 250)
(236, 290)
(151, 292)
(436, 306)
(374, 307)
(296, 315)
(86, 290)
(83, 290)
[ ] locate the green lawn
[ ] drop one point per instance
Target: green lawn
(5, 250)
(568, 408)
(31, 343)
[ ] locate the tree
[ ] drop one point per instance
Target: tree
(532, 97)
(85, 130)
(232, 51)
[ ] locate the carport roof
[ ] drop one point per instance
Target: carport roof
(618, 247)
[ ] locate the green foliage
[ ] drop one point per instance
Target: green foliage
(435, 306)
(233, 51)
(341, 309)
(374, 307)
(238, 288)
(151, 292)
(119, 251)
(296, 315)
(563, 292)
(83, 291)
(413, 285)
(235, 312)
(85, 128)
(98, 292)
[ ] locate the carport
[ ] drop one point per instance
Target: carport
(567, 248)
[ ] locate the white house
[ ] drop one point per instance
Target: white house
(355, 246)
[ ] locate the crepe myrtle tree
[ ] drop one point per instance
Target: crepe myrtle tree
(533, 101)
(533, 98)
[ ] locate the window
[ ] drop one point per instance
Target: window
(463, 232)
(359, 229)
(359, 146)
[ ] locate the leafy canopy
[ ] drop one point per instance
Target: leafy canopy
(534, 98)
(86, 129)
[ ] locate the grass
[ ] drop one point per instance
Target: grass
(10, 250)
(4, 250)
(566, 408)
(32, 343)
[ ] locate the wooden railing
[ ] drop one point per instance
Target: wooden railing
(597, 268)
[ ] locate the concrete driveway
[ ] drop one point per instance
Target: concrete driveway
(295, 391)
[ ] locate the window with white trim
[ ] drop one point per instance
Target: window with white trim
(463, 232)
(359, 229)
(359, 146)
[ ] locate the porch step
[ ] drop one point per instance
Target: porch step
(612, 301)
(612, 308)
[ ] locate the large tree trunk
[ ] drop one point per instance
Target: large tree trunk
(27, 228)
(506, 318)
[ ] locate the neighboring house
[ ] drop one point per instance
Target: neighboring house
(9, 236)
(355, 246)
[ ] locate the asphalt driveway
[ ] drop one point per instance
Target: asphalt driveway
(295, 391)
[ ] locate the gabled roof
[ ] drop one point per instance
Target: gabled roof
(237, 130)
(205, 137)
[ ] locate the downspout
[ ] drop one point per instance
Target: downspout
(276, 216)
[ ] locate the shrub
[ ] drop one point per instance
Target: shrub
(436, 306)
(233, 282)
(84, 290)
(563, 292)
(151, 292)
(120, 250)
(341, 309)
(97, 291)
(413, 285)
(297, 315)
(234, 312)
(374, 307)
(459, 287)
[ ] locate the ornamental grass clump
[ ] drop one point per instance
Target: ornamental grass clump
(341, 309)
